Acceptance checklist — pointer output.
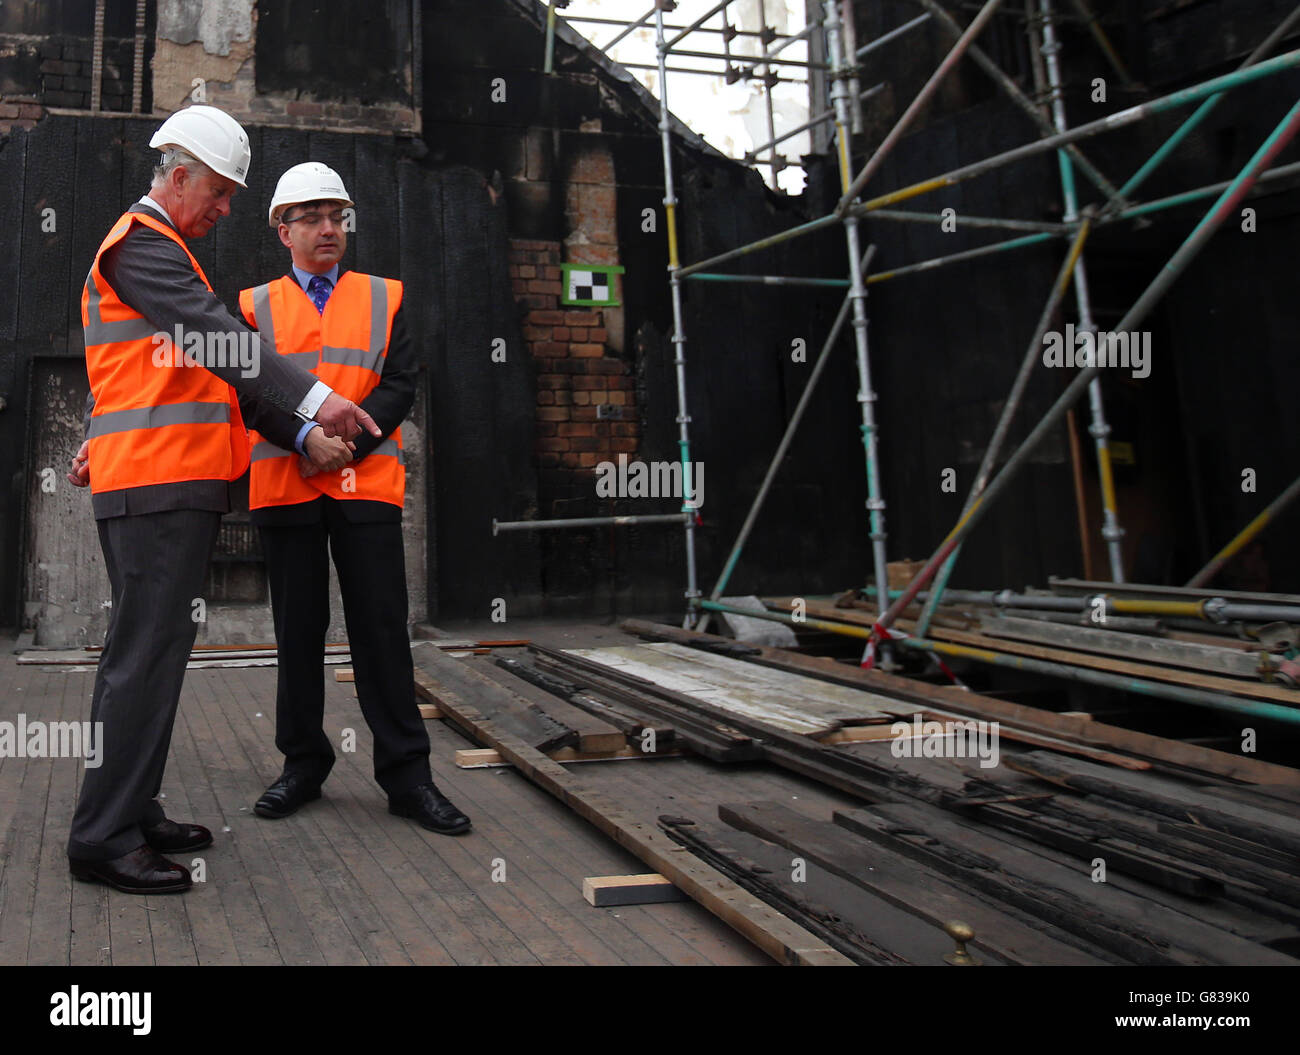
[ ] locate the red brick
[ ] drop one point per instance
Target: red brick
(594, 166)
(538, 302)
(552, 413)
(551, 272)
(537, 333)
(548, 444)
(605, 366)
(584, 443)
(597, 334)
(587, 459)
(621, 382)
(8, 110)
(302, 109)
(587, 413)
(581, 399)
(561, 333)
(623, 446)
(539, 285)
(588, 383)
(549, 348)
(625, 428)
(551, 381)
(562, 399)
(585, 428)
(578, 333)
(527, 271)
(582, 318)
(587, 351)
(548, 398)
(546, 318)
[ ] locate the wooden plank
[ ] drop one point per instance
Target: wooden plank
(715, 848)
(612, 891)
(1173, 752)
(510, 711)
(487, 758)
(1138, 929)
(1178, 802)
(594, 735)
(1229, 661)
(429, 711)
(911, 887)
(770, 931)
(345, 674)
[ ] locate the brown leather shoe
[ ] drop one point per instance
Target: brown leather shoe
(176, 837)
(142, 871)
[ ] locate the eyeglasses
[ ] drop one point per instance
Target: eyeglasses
(315, 219)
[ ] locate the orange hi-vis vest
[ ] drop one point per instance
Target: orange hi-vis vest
(345, 347)
(159, 418)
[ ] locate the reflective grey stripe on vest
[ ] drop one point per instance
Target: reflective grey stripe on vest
(262, 316)
(265, 449)
(100, 332)
(368, 358)
(390, 448)
(159, 417)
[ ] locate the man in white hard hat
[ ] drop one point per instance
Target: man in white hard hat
(312, 496)
(164, 440)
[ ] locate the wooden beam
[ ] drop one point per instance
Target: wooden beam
(772, 932)
(482, 758)
(612, 891)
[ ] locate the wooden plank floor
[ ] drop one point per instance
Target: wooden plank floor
(340, 882)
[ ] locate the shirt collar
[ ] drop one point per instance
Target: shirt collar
(304, 277)
(156, 207)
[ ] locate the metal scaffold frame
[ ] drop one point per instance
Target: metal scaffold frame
(1116, 205)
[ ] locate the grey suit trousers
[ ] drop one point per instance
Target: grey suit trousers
(156, 564)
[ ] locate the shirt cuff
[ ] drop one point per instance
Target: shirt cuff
(313, 399)
(302, 435)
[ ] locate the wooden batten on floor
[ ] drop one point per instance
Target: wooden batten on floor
(611, 891)
(483, 757)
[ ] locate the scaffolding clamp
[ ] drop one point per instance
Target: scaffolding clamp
(1099, 430)
(1112, 532)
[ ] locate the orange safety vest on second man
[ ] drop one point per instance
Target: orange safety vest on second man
(345, 347)
(158, 417)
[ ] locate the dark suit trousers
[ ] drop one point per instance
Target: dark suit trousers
(156, 566)
(372, 580)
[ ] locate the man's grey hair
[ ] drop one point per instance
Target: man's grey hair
(171, 158)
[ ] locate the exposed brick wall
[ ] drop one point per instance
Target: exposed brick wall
(66, 69)
(575, 374)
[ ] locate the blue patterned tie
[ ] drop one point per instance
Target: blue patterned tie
(319, 291)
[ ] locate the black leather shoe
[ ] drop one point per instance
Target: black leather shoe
(142, 871)
(287, 795)
(176, 837)
(429, 808)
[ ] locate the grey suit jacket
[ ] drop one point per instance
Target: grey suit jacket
(152, 274)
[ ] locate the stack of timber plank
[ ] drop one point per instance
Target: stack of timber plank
(1088, 844)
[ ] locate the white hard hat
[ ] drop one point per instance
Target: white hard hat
(212, 136)
(310, 181)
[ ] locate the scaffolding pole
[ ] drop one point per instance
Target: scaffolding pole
(840, 93)
(1224, 207)
(679, 330)
(1245, 536)
(1099, 429)
(1032, 355)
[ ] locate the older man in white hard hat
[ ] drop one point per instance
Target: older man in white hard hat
(164, 440)
(313, 496)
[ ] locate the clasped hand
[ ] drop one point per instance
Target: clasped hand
(324, 454)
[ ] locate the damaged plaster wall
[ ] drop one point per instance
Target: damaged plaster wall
(207, 44)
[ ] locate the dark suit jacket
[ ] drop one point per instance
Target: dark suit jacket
(152, 274)
(388, 403)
